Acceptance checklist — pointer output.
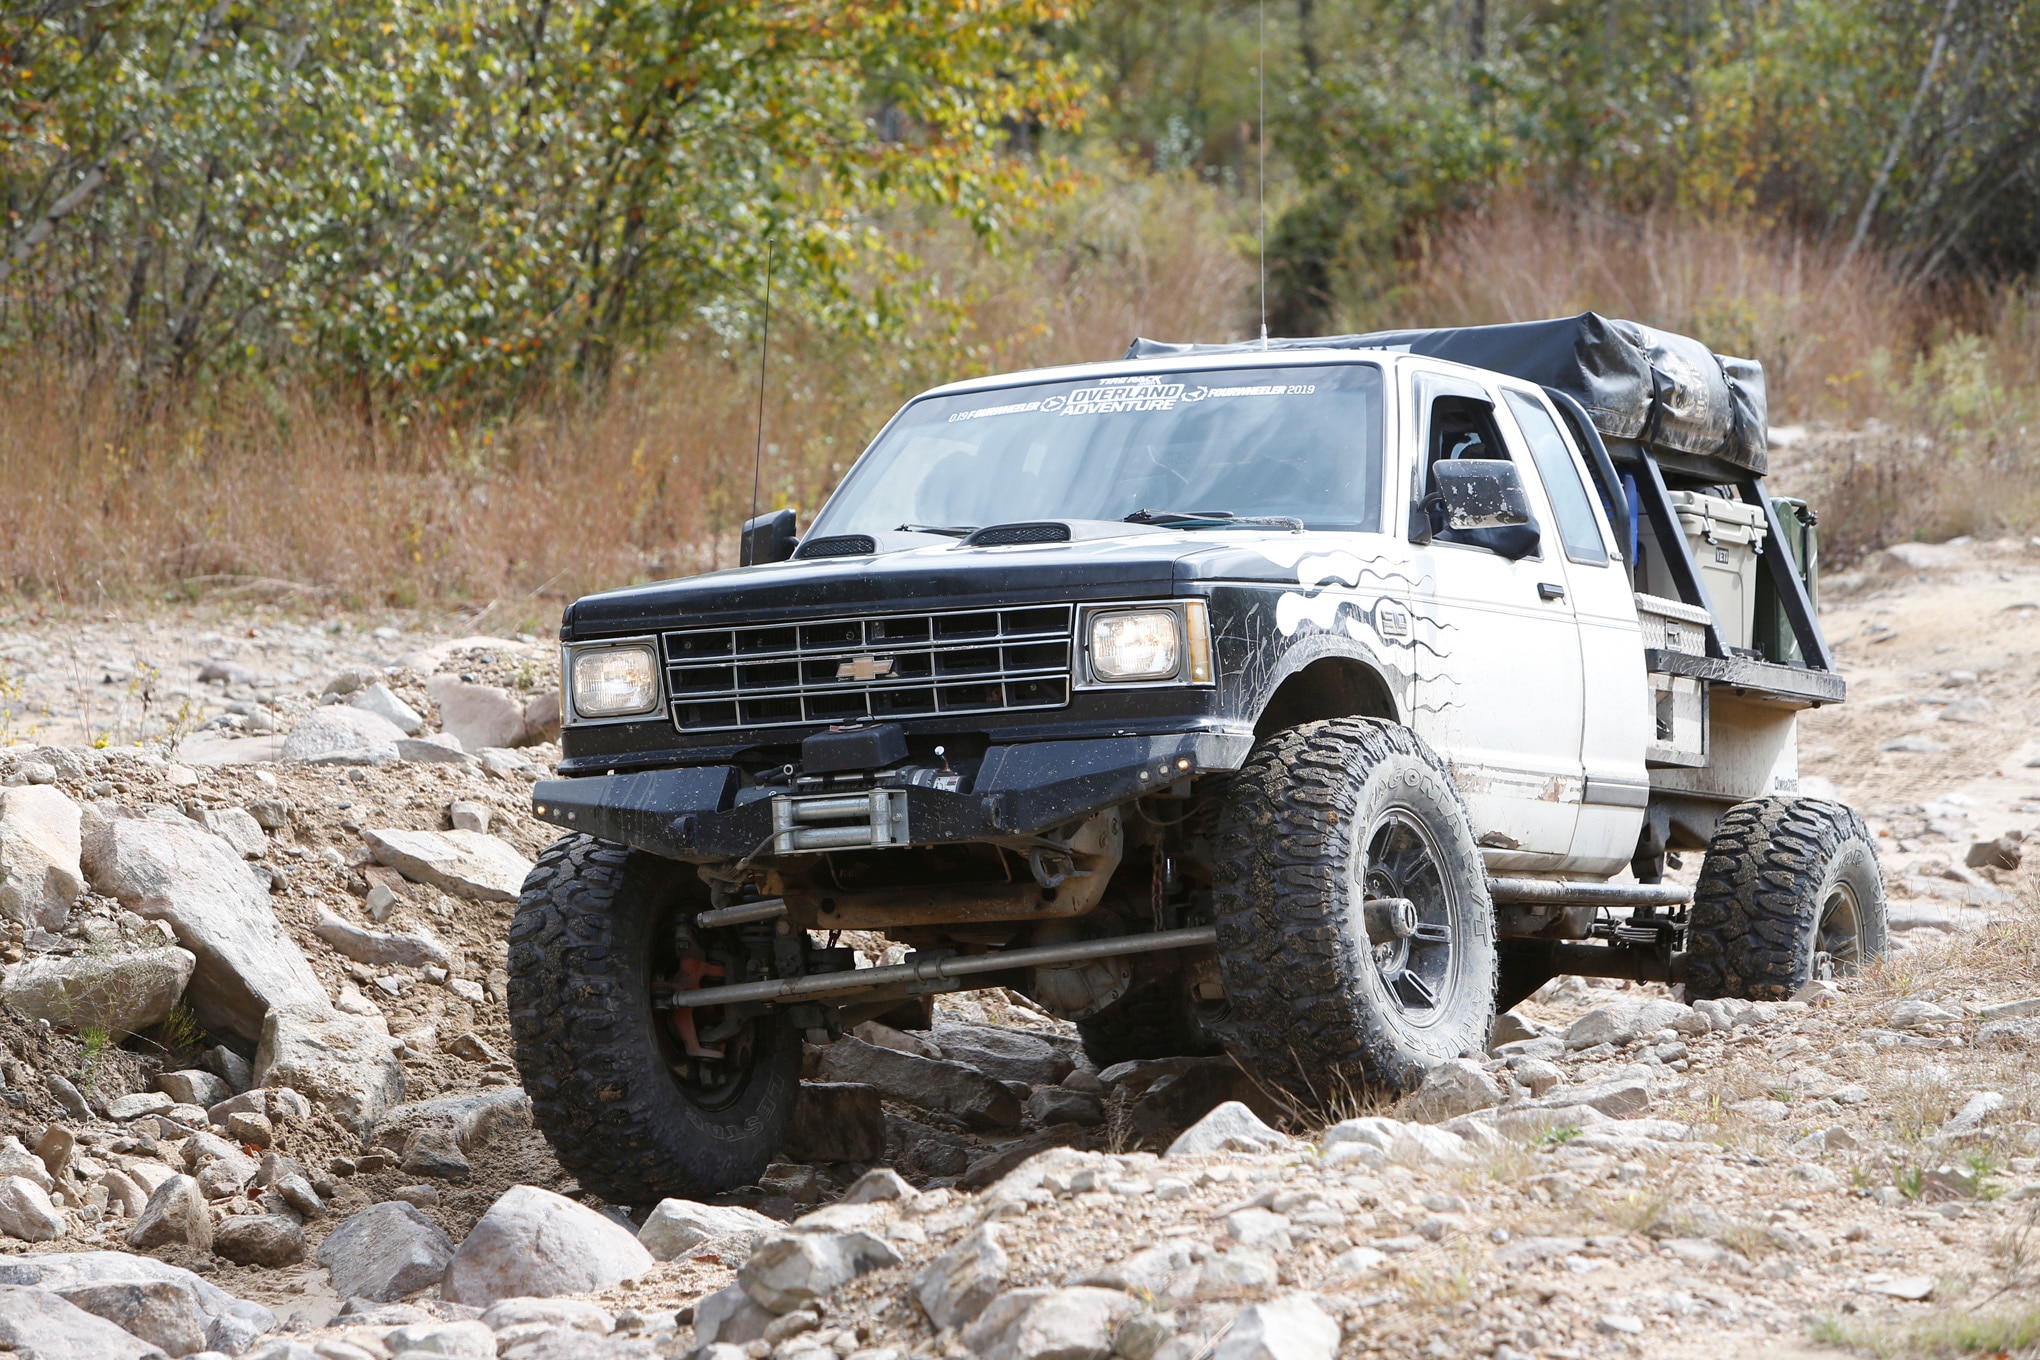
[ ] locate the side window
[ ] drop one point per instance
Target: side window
(1464, 427)
(1570, 506)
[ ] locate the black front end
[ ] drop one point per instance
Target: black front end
(951, 689)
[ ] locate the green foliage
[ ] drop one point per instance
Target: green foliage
(1391, 116)
(179, 1032)
(464, 198)
(93, 1042)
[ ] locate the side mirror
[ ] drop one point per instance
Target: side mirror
(1480, 493)
(768, 538)
(1481, 501)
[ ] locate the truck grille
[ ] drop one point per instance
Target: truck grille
(823, 671)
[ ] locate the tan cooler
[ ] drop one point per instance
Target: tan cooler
(1727, 539)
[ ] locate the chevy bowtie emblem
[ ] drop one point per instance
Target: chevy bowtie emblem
(865, 668)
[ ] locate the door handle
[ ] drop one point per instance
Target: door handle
(1550, 590)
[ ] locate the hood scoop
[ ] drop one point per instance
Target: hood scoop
(1023, 531)
(838, 545)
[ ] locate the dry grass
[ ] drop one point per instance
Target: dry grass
(1950, 1332)
(1817, 324)
(2004, 952)
(282, 488)
(1937, 391)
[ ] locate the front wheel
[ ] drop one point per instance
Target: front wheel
(1790, 892)
(640, 1101)
(1355, 932)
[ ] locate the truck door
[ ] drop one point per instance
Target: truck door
(1617, 724)
(1499, 691)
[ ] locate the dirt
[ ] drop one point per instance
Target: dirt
(1801, 1235)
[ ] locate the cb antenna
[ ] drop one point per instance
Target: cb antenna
(764, 353)
(1261, 175)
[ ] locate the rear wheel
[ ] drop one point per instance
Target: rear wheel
(640, 1100)
(1355, 933)
(1790, 892)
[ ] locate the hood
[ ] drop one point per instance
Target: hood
(1128, 562)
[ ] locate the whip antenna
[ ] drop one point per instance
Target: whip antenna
(1261, 175)
(764, 353)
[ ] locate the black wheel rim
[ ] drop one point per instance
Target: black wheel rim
(1402, 859)
(1838, 941)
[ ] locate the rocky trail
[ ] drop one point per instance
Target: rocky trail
(256, 874)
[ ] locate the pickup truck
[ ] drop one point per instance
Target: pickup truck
(1308, 700)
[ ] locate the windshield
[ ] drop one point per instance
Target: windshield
(1302, 443)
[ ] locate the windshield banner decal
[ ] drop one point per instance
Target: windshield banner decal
(1119, 396)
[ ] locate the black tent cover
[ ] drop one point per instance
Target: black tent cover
(1667, 391)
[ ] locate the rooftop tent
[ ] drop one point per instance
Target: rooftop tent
(1665, 390)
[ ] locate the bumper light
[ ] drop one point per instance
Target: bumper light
(1136, 644)
(613, 682)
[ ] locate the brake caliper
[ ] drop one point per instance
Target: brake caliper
(688, 979)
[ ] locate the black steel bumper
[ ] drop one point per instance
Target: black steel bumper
(705, 814)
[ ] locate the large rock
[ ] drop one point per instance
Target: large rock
(378, 946)
(1621, 1022)
(164, 1313)
(380, 700)
(1616, 1096)
(39, 848)
(1453, 1088)
(1179, 1099)
(799, 1268)
(433, 1137)
(193, 1086)
(479, 715)
(935, 1085)
(836, 1122)
(1004, 1054)
(467, 864)
(220, 1166)
(1232, 1127)
(16, 1160)
(1049, 1324)
(259, 1239)
(384, 1252)
(174, 1216)
(218, 909)
(1428, 1145)
(26, 1212)
(678, 1225)
(1292, 1328)
(338, 735)
(119, 993)
(434, 750)
(340, 1062)
(958, 1285)
(730, 1317)
(38, 1325)
(231, 1324)
(535, 1244)
(238, 828)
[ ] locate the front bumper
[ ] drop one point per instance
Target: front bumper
(704, 813)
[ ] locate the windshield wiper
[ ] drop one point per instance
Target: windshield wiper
(948, 530)
(1190, 519)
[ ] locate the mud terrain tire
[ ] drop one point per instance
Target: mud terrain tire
(1790, 886)
(590, 927)
(1323, 816)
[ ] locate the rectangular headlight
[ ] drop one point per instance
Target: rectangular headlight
(1136, 644)
(612, 682)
